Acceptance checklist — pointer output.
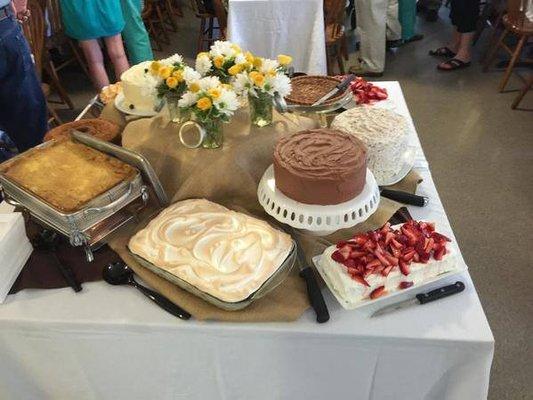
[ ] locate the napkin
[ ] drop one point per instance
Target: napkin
(15, 249)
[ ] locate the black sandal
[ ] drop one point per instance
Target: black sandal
(454, 64)
(442, 52)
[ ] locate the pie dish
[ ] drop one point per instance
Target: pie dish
(306, 90)
(67, 175)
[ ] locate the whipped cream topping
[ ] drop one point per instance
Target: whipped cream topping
(320, 153)
(221, 252)
(353, 292)
(384, 133)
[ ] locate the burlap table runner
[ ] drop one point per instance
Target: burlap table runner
(229, 176)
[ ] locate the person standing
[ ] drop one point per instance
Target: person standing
(407, 17)
(134, 33)
(464, 15)
(90, 20)
(23, 113)
(377, 22)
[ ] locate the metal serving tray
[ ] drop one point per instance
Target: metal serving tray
(270, 284)
(77, 225)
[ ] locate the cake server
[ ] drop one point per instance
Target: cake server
(404, 197)
(341, 87)
(423, 298)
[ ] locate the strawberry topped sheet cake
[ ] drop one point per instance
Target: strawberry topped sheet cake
(387, 260)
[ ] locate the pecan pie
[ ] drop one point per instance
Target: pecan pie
(306, 90)
(67, 175)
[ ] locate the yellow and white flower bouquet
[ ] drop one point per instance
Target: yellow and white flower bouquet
(264, 80)
(210, 103)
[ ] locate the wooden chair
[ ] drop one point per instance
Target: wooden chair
(336, 41)
(153, 16)
(206, 35)
(517, 24)
(34, 30)
(59, 41)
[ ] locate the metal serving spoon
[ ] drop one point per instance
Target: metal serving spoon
(118, 273)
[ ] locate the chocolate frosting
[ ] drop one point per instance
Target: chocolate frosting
(320, 166)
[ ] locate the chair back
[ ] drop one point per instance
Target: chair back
(34, 30)
(54, 16)
(222, 16)
(517, 9)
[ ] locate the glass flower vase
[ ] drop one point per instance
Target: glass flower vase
(261, 109)
(214, 136)
(175, 113)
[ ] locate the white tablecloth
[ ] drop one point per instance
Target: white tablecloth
(271, 27)
(112, 343)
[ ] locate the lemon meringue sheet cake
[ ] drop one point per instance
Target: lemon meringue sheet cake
(224, 253)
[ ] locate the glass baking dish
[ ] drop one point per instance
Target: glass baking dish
(270, 284)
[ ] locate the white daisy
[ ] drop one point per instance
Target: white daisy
(174, 59)
(209, 82)
(281, 84)
(227, 102)
(203, 64)
(190, 75)
(268, 65)
(188, 99)
(240, 59)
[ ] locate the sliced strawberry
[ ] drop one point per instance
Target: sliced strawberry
(345, 251)
(404, 267)
(360, 239)
(392, 260)
(405, 284)
(378, 270)
(381, 258)
(408, 256)
(429, 245)
(385, 228)
(336, 256)
(360, 279)
(388, 237)
(357, 253)
(438, 254)
(378, 292)
(396, 244)
(396, 252)
(349, 263)
(342, 243)
(373, 264)
(416, 257)
(387, 270)
(439, 236)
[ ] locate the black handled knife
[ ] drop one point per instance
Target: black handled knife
(404, 197)
(423, 298)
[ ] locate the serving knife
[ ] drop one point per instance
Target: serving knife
(423, 298)
(404, 197)
(341, 87)
(313, 290)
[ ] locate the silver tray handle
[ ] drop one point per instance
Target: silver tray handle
(112, 204)
(10, 200)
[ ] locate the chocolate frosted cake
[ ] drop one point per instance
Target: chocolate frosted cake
(320, 166)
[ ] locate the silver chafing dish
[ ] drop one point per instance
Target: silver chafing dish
(90, 226)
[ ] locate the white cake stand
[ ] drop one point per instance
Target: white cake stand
(315, 219)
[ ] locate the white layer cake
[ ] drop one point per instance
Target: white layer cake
(219, 251)
(384, 133)
(138, 86)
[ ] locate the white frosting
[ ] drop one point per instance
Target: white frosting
(353, 292)
(138, 86)
(221, 252)
(384, 133)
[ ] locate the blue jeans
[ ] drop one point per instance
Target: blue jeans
(23, 113)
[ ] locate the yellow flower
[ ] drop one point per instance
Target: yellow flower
(226, 86)
(171, 82)
(249, 57)
(234, 70)
(271, 73)
(218, 61)
(194, 87)
(236, 48)
(258, 61)
(214, 93)
(284, 60)
(154, 66)
(204, 104)
(164, 72)
(257, 78)
(203, 54)
(178, 74)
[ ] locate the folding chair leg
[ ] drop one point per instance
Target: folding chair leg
(56, 83)
(494, 51)
(522, 93)
(514, 58)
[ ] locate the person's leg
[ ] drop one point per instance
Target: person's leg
(465, 14)
(371, 19)
(407, 17)
(134, 33)
(95, 62)
(394, 29)
(115, 50)
(23, 113)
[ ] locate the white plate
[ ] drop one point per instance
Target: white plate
(368, 307)
(123, 106)
(316, 219)
(408, 161)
